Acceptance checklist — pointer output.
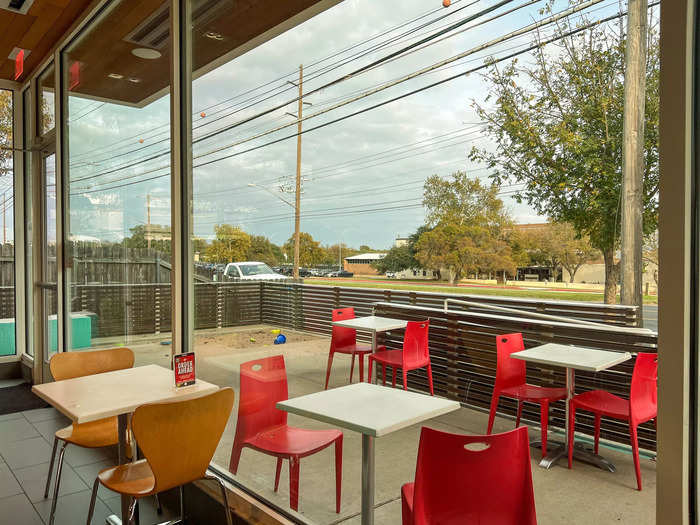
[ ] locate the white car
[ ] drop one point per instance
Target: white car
(391, 275)
(251, 271)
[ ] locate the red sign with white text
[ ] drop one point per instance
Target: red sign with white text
(183, 364)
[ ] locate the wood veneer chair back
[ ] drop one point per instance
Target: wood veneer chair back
(179, 439)
(67, 365)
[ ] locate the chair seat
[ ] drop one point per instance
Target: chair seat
(284, 440)
(100, 433)
(132, 479)
(353, 349)
(395, 358)
(604, 403)
(534, 393)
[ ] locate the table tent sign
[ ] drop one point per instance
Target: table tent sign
(183, 366)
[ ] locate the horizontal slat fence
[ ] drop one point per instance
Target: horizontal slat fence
(463, 356)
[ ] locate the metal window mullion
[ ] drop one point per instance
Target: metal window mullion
(18, 233)
(60, 127)
(181, 175)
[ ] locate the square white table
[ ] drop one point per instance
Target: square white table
(373, 324)
(573, 358)
(119, 393)
(372, 410)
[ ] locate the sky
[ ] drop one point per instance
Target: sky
(363, 176)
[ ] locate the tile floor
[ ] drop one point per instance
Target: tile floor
(26, 439)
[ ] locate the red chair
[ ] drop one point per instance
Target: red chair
(264, 428)
(511, 382)
(415, 354)
(343, 341)
(640, 408)
(470, 479)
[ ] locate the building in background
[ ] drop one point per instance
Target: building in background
(362, 264)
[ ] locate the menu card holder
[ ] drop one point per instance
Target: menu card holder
(183, 365)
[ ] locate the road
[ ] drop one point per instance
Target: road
(651, 314)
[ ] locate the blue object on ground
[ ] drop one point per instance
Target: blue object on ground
(280, 339)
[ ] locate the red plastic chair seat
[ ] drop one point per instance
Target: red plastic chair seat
(534, 393)
(286, 441)
(394, 358)
(603, 403)
(353, 349)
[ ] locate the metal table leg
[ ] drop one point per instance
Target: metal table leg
(125, 500)
(582, 452)
(367, 480)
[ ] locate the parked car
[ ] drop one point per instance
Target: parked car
(391, 275)
(251, 271)
(340, 273)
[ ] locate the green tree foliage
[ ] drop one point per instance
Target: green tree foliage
(230, 245)
(557, 126)
(397, 259)
(310, 251)
(261, 249)
(138, 238)
(468, 223)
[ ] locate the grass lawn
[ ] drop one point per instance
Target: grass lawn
(589, 297)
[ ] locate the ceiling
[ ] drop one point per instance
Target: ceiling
(222, 30)
(37, 31)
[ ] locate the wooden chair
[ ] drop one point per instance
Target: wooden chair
(178, 441)
(96, 434)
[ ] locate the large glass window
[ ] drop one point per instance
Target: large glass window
(46, 115)
(28, 216)
(7, 235)
(116, 84)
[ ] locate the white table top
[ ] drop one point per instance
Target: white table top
(89, 398)
(373, 323)
(577, 357)
(369, 409)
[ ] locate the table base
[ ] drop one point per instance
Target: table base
(367, 480)
(582, 452)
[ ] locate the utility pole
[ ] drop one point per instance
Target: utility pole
(297, 206)
(148, 220)
(633, 155)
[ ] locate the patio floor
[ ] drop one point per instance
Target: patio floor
(582, 495)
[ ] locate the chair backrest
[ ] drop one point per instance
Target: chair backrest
(509, 371)
(263, 384)
(341, 336)
(67, 365)
(473, 479)
(643, 401)
(179, 439)
(415, 343)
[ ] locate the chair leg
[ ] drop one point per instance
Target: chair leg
(362, 367)
(132, 510)
(570, 437)
(405, 378)
(544, 424)
(352, 367)
(393, 376)
(159, 507)
(53, 457)
(492, 413)
(635, 455)
(518, 414)
(430, 378)
(182, 504)
(328, 369)
(91, 509)
(370, 362)
(338, 471)
(278, 470)
(224, 496)
(56, 487)
(596, 436)
(235, 458)
(294, 482)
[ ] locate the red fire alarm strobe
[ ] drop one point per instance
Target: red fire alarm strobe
(19, 64)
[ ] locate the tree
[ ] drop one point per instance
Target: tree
(574, 251)
(650, 254)
(139, 238)
(310, 251)
(557, 126)
(261, 249)
(397, 259)
(468, 223)
(230, 245)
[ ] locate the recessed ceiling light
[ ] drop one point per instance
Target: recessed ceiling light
(144, 52)
(134, 80)
(213, 35)
(115, 76)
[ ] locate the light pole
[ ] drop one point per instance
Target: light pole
(296, 223)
